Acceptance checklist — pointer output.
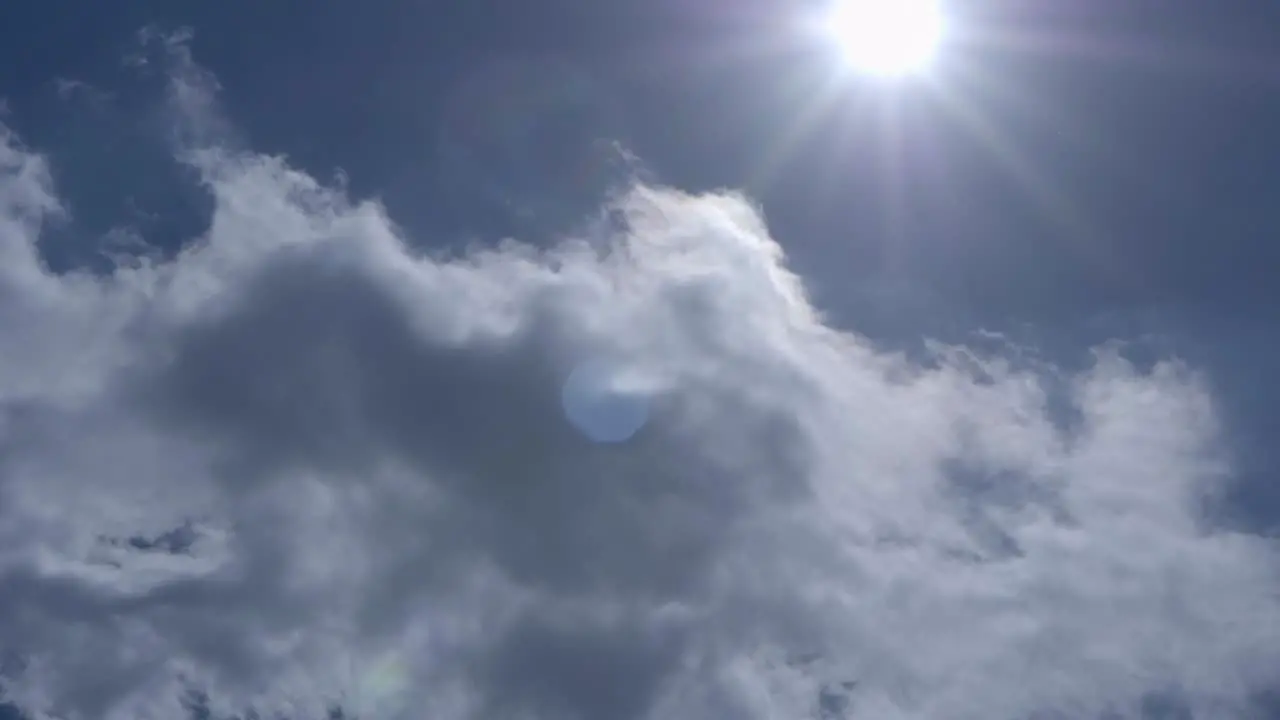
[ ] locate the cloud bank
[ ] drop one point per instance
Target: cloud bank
(302, 466)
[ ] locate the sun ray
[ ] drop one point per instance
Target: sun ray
(1010, 159)
(894, 180)
(826, 94)
(1069, 219)
(1131, 51)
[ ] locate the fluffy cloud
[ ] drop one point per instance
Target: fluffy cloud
(302, 466)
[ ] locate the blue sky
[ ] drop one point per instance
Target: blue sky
(962, 385)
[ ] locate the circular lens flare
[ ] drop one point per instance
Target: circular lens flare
(606, 401)
(886, 37)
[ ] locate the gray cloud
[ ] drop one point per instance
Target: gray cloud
(302, 465)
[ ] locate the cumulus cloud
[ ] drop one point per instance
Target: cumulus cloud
(303, 466)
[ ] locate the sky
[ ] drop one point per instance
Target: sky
(542, 359)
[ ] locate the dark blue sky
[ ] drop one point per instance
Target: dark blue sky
(1162, 157)
(1120, 182)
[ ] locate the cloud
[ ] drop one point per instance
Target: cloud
(304, 464)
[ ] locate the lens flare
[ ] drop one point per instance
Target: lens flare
(606, 401)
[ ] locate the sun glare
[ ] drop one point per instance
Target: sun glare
(886, 37)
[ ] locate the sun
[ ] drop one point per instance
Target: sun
(885, 37)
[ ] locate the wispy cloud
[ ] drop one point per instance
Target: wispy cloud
(301, 465)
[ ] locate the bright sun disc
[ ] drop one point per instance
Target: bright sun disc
(886, 37)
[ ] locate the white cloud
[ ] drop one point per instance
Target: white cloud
(385, 507)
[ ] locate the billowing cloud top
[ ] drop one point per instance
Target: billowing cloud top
(300, 467)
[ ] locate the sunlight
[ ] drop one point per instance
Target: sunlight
(886, 37)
